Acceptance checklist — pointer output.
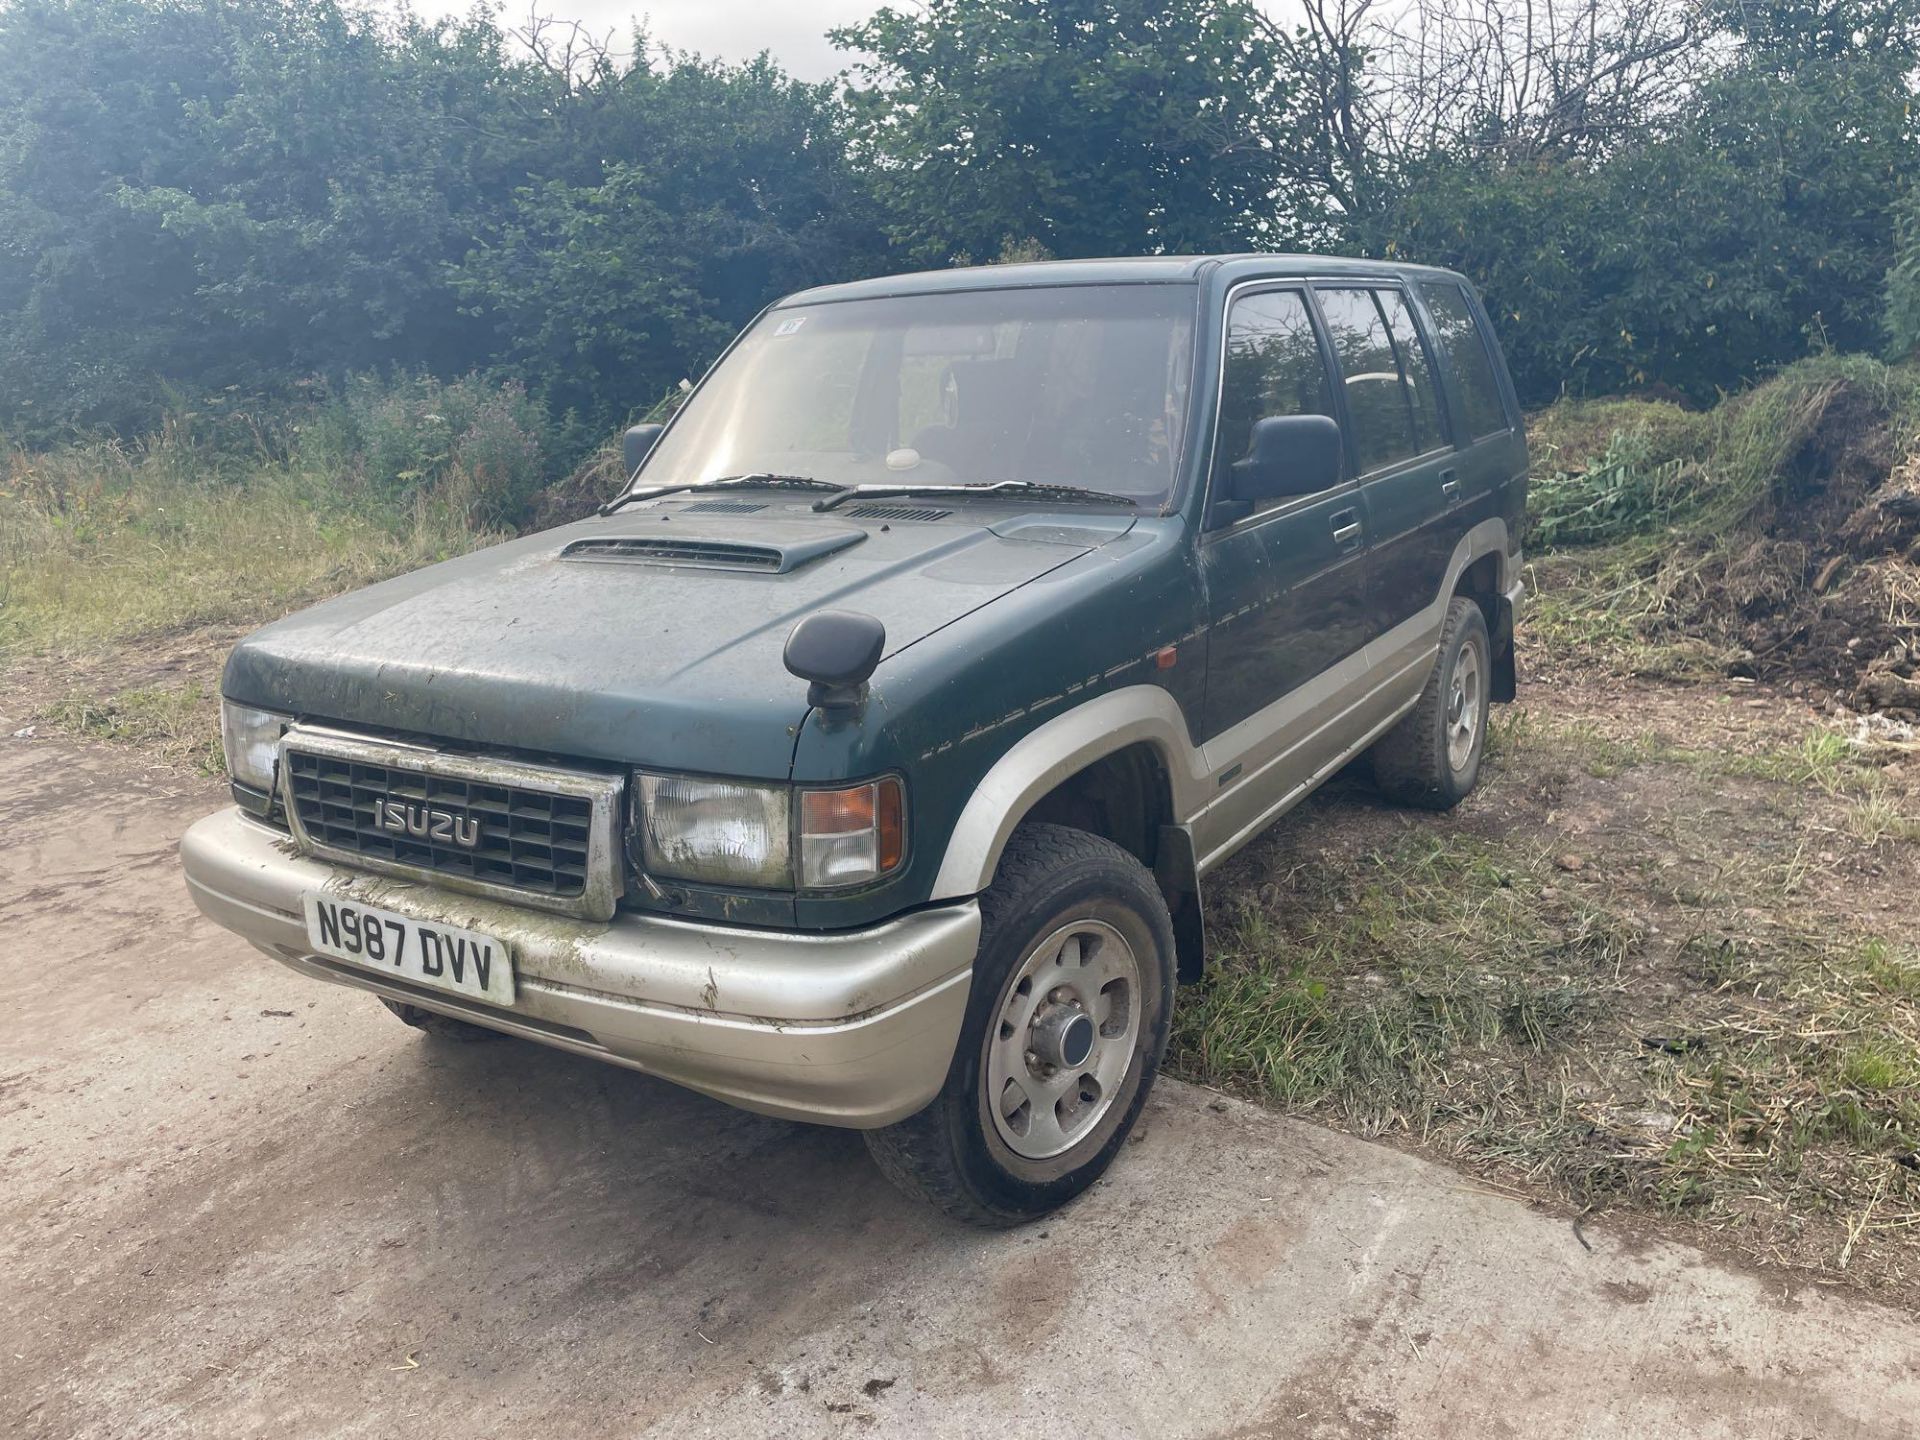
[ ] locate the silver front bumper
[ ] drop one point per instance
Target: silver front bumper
(855, 1028)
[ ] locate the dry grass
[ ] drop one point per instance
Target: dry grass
(100, 547)
(1671, 978)
(114, 557)
(178, 723)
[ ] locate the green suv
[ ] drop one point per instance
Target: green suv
(862, 761)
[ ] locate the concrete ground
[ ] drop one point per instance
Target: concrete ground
(241, 1203)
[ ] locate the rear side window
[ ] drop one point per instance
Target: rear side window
(1388, 378)
(1460, 339)
(1273, 368)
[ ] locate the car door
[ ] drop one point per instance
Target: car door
(1287, 584)
(1403, 449)
(1491, 451)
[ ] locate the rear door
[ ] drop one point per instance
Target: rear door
(1402, 445)
(1491, 454)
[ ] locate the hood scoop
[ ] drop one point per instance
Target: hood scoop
(776, 554)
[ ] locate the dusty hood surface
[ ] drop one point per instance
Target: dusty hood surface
(652, 636)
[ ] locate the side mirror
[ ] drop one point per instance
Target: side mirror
(636, 444)
(836, 650)
(1289, 455)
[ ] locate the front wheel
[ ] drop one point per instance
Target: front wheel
(1065, 1027)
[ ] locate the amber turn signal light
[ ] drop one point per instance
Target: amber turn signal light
(851, 836)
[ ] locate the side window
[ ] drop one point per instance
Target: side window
(1416, 369)
(1273, 368)
(1390, 393)
(1465, 347)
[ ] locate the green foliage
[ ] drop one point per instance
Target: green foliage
(1081, 127)
(242, 199)
(716, 191)
(1620, 492)
(1754, 227)
(488, 448)
(214, 195)
(1903, 285)
(202, 196)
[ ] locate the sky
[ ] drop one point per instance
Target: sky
(794, 30)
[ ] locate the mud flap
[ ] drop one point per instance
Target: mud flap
(1504, 684)
(1178, 874)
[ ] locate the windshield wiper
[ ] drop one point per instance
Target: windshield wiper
(759, 479)
(1039, 489)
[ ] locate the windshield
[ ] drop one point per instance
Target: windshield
(1069, 385)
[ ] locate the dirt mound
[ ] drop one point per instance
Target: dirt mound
(1820, 580)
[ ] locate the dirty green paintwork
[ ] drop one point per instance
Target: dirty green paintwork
(999, 616)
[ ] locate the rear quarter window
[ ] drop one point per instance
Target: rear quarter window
(1460, 339)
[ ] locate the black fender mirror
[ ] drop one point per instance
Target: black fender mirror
(1286, 455)
(835, 651)
(636, 444)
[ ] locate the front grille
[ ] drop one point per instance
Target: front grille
(532, 840)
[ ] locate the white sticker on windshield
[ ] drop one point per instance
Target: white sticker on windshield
(789, 327)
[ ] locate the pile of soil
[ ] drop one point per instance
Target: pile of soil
(1822, 584)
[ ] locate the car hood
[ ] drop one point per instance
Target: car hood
(646, 637)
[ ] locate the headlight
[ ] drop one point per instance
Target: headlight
(716, 832)
(251, 740)
(723, 832)
(851, 836)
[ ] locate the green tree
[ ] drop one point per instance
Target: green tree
(1088, 127)
(706, 192)
(218, 195)
(208, 195)
(1903, 285)
(1725, 239)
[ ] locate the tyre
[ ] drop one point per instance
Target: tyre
(1065, 1026)
(441, 1027)
(1432, 757)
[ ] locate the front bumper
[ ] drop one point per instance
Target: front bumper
(855, 1028)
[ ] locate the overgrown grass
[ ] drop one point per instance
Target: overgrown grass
(106, 543)
(1375, 980)
(1541, 1019)
(1805, 1086)
(1638, 477)
(1615, 470)
(113, 552)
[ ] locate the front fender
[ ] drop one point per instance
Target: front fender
(1041, 759)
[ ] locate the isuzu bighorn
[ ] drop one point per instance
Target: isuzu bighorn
(861, 762)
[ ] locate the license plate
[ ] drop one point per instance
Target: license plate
(440, 956)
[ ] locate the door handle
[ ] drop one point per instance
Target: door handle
(1346, 526)
(1449, 483)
